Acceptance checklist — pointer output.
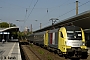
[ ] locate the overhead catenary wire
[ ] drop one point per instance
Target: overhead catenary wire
(30, 4)
(27, 10)
(54, 8)
(46, 8)
(43, 25)
(32, 10)
(72, 10)
(48, 11)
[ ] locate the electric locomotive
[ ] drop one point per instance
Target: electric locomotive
(68, 41)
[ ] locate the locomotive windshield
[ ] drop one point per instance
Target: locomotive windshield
(74, 35)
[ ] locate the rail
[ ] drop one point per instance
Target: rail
(26, 44)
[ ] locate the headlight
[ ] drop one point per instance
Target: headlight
(83, 43)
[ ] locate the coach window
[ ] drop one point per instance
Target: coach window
(61, 35)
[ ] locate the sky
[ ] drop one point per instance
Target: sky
(39, 11)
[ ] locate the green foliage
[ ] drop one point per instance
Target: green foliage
(31, 45)
(41, 51)
(28, 33)
(6, 25)
(49, 57)
(12, 25)
(21, 35)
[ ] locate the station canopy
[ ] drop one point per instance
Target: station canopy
(82, 20)
(10, 29)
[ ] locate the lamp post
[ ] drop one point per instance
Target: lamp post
(9, 24)
(76, 7)
(40, 24)
(20, 21)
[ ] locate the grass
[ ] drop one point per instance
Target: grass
(31, 45)
(49, 57)
(41, 51)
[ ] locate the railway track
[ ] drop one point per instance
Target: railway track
(28, 52)
(34, 53)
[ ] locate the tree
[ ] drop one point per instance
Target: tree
(21, 35)
(6, 25)
(12, 25)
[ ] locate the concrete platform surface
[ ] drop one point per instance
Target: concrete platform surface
(10, 51)
(89, 50)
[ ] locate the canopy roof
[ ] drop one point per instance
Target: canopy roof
(9, 29)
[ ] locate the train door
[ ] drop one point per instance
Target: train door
(61, 40)
(52, 39)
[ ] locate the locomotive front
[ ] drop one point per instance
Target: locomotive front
(76, 42)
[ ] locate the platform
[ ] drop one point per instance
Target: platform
(10, 51)
(89, 50)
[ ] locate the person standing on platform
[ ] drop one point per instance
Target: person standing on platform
(3, 40)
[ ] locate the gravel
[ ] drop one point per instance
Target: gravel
(47, 55)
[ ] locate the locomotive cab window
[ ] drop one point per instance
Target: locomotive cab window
(74, 35)
(61, 34)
